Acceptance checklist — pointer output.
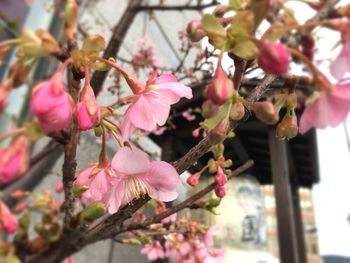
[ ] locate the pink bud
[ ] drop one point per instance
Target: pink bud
(195, 31)
(220, 191)
(221, 88)
(265, 111)
(273, 57)
(220, 177)
(195, 133)
(51, 104)
(88, 111)
(59, 187)
(193, 179)
(4, 93)
(8, 221)
(219, 132)
(288, 127)
(14, 160)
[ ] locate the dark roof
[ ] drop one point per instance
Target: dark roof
(251, 142)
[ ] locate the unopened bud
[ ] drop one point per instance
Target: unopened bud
(221, 88)
(212, 167)
(70, 19)
(18, 73)
(209, 109)
(220, 191)
(273, 57)
(92, 212)
(265, 112)
(288, 127)
(195, 31)
(220, 177)
(221, 10)
(237, 111)
(219, 133)
(193, 180)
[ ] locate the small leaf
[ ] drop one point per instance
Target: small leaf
(210, 123)
(100, 66)
(275, 32)
(212, 26)
(260, 9)
(92, 44)
(245, 49)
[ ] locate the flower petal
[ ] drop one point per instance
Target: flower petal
(130, 161)
(114, 197)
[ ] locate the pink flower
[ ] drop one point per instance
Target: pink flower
(221, 88)
(8, 221)
(88, 111)
(97, 177)
(341, 65)
(152, 106)
(138, 176)
(208, 236)
(329, 109)
(51, 104)
(153, 251)
(273, 57)
(177, 247)
(68, 260)
(14, 160)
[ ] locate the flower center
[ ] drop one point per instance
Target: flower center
(136, 187)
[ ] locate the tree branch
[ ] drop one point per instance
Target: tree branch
(176, 7)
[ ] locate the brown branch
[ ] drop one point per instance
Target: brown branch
(115, 42)
(70, 151)
(176, 7)
(184, 204)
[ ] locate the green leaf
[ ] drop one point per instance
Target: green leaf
(260, 9)
(275, 32)
(243, 20)
(210, 123)
(92, 44)
(237, 5)
(215, 31)
(92, 211)
(245, 49)
(212, 26)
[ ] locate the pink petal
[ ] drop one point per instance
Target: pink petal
(126, 127)
(99, 185)
(164, 180)
(83, 177)
(164, 78)
(341, 65)
(148, 111)
(174, 91)
(114, 197)
(130, 161)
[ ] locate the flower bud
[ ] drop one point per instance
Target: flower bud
(265, 112)
(221, 88)
(195, 31)
(219, 133)
(51, 104)
(237, 111)
(70, 19)
(38, 44)
(220, 177)
(92, 212)
(88, 111)
(18, 73)
(273, 57)
(14, 160)
(220, 191)
(288, 127)
(209, 109)
(193, 180)
(221, 10)
(4, 93)
(8, 221)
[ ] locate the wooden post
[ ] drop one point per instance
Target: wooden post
(287, 241)
(299, 227)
